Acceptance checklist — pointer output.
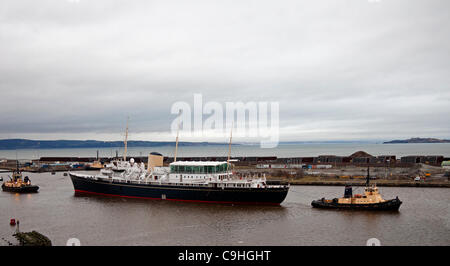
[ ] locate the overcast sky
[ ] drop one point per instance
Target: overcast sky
(341, 70)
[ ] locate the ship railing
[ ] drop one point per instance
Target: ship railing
(187, 184)
(159, 182)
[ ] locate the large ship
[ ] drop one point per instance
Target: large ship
(200, 181)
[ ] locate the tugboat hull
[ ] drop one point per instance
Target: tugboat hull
(389, 205)
(22, 189)
(271, 196)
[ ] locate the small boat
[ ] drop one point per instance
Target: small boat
(77, 166)
(371, 200)
(96, 165)
(19, 185)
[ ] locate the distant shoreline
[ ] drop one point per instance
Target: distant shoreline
(418, 140)
(238, 149)
(22, 144)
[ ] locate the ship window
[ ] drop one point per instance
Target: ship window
(221, 168)
(208, 169)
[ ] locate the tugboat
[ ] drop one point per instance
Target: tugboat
(16, 184)
(371, 200)
(96, 165)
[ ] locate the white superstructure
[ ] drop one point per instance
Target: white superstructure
(183, 173)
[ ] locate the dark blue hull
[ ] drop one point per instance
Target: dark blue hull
(180, 193)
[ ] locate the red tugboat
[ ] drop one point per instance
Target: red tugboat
(371, 200)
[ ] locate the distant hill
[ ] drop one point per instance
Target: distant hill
(419, 140)
(12, 144)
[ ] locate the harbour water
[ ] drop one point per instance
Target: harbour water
(282, 150)
(423, 219)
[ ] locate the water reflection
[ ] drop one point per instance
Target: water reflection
(177, 206)
(97, 220)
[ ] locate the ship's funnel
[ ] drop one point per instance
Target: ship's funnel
(155, 159)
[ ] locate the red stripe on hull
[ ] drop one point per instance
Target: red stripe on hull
(202, 201)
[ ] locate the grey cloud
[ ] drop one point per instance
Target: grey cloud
(349, 69)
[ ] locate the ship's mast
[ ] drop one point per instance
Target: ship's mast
(229, 147)
(176, 142)
(126, 140)
(17, 163)
(368, 177)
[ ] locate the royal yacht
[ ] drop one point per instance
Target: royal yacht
(200, 181)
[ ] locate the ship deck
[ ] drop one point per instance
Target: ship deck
(233, 183)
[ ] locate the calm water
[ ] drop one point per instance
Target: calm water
(423, 219)
(283, 150)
